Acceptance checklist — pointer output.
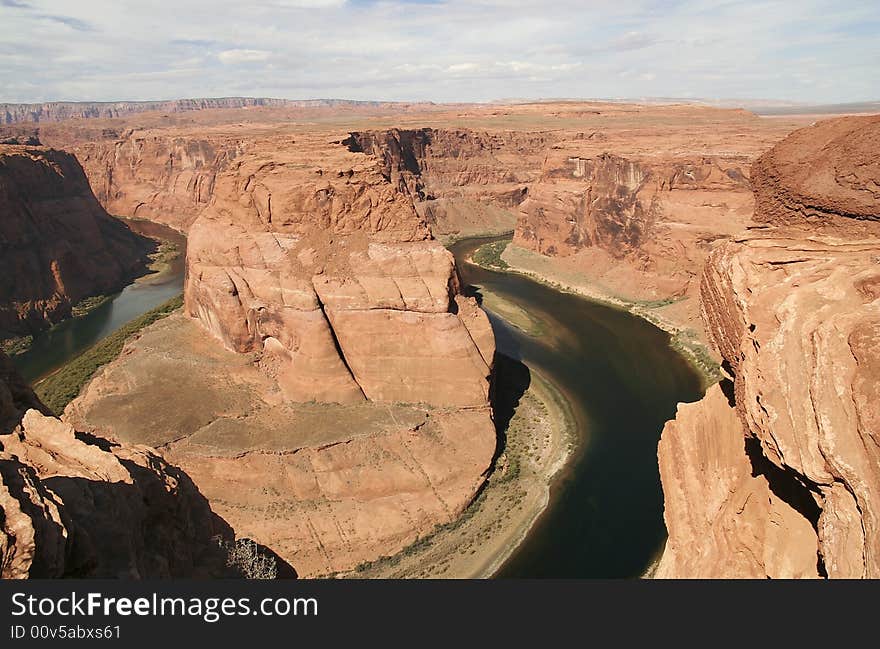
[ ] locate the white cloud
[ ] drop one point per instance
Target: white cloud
(447, 50)
(243, 56)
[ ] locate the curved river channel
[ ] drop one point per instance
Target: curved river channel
(619, 374)
(53, 348)
(622, 381)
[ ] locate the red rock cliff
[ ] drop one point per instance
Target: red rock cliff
(74, 505)
(783, 478)
(157, 176)
(57, 244)
(315, 257)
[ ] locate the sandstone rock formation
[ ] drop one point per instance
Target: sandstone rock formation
(57, 244)
(319, 260)
(163, 178)
(794, 309)
(326, 486)
(626, 199)
(550, 171)
(822, 176)
(338, 408)
(74, 505)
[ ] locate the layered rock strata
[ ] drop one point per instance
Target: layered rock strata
(333, 277)
(57, 244)
(74, 505)
(164, 178)
(338, 407)
(794, 309)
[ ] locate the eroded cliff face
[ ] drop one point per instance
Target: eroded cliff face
(629, 208)
(794, 309)
(640, 225)
(464, 180)
(57, 244)
(328, 386)
(330, 272)
(157, 176)
(74, 505)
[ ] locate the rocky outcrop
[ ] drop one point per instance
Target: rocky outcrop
(74, 505)
(729, 522)
(164, 178)
(794, 310)
(16, 396)
(822, 176)
(320, 262)
(57, 244)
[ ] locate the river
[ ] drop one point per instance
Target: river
(623, 381)
(621, 377)
(53, 348)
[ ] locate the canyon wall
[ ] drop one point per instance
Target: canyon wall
(63, 110)
(328, 384)
(781, 478)
(640, 226)
(74, 505)
(626, 199)
(57, 244)
(466, 181)
(161, 177)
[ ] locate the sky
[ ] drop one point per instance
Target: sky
(814, 51)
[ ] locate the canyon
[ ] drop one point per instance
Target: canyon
(775, 472)
(57, 244)
(626, 198)
(343, 381)
(329, 383)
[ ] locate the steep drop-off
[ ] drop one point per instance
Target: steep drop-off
(630, 205)
(783, 479)
(338, 407)
(161, 177)
(74, 505)
(57, 244)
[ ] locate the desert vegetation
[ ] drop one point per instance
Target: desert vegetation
(60, 388)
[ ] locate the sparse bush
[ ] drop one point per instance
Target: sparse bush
(16, 345)
(245, 557)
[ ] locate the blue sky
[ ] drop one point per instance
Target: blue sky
(815, 51)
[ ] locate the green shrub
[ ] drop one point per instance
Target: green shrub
(489, 255)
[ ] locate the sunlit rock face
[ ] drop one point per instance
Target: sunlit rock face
(794, 309)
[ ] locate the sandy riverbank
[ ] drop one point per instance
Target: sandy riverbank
(539, 268)
(539, 441)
